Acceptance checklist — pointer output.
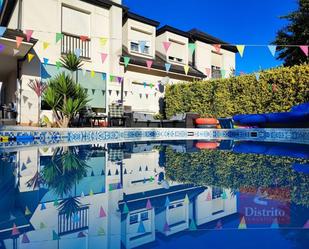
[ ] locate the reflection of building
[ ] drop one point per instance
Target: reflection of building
(123, 194)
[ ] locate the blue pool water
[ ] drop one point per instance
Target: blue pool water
(163, 194)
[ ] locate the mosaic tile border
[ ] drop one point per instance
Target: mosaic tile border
(43, 136)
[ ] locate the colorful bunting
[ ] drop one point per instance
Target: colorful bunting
(126, 60)
(2, 30)
(19, 40)
(45, 45)
(104, 76)
(45, 61)
(257, 76)
(192, 226)
(30, 57)
(219, 225)
(84, 38)
(148, 204)
(149, 64)
(242, 224)
(186, 68)
(186, 200)
(223, 72)
(304, 48)
(125, 209)
(56, 203)
(141, 227)
(1, 47)
(91, 192)
(102, 213)
(272, 49)
(58, 64)
(208, 198)
(43, 207)
(208, 70)
(217, 47)
(167, 202)
(29, 33)
(142, 45)
(55, 235)
(306, 226)
(240, 49)
(103, 57)
(92, 74)
(27, 211)
(25, 239)
(192, 47)
(275, 224)
(15, 230)
(23, 167)
(59, 37)
(224, 196)
(166, 227)
(166, 46)
(168, 67)
(103, 41)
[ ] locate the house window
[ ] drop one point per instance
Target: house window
(144, 216)
(215, 72)
(134, 47)
(133, 219)
(146, 50)
(216, 192)
(175, 59)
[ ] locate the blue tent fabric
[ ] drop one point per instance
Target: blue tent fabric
(298, 114)
(301, 168)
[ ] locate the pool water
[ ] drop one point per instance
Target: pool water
(164, 194)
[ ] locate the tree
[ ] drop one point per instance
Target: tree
(73, 63)
(295, 33)
(65, 97)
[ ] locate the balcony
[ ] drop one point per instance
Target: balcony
(67, 225)
(72, 43)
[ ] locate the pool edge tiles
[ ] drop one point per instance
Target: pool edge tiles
(50, 136)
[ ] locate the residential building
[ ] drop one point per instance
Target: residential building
(104, 34)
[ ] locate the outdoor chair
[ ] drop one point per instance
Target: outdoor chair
(116, 116)
(139, 119)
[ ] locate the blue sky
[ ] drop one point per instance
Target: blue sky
(234, 21)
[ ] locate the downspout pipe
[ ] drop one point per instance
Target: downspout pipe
(20, 15)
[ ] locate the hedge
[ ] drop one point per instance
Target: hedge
(276, 90)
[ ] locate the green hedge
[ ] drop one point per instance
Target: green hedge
(277, 90)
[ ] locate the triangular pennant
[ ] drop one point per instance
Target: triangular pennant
(186, 200)
(29, 33)
(81, 235)
(192, 226)
(142, 45)
(91, 192)
(15, 230)
(84, 38)
(92, 74)
(217, 47)
(111, 187)
(125, 209)
(125, 172)
(82, 195)
(102, 213)
(306, 226)
(224, 196)
(242, 224)
(55, 235)
(272, 49)
(1, 47)
(167, 67)
(25, 239)
(304, 48)
(186, 68)
(148, 204)
(45, 61)
(119, 185)
(103, 41)
(141, 227)
(257, 76)
(145, 84)
(103, 57)
(78, 52)
(117, 93)
(149, 64)
(56, 203)
(119, 79)
(28, 160)
(126, 93)
(167, 202)
(15, 51)
(23, 167)
(126, 60)
(208, 70)
(240, 49)
(43, 206)
(30, 105)
(58, 65)
(208, 198)
(45, 45)
(275, 224)
(151, 85)
(192, 47)
(19, 40)
(30, 57)
(166, 227)
(140, 95)
(59, 37)
(219, 225)
(166, 46)
(42, 225)
(27, 211)
(92, 173)
(101, 231)
(2, 30)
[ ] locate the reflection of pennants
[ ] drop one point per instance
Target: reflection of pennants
(242, 224)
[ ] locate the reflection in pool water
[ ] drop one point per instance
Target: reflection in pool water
(155, 195)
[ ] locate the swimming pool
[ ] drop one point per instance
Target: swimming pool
(218, 193)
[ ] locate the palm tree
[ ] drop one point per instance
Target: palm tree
(73, 63)
(65, 97)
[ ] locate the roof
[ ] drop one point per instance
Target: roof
(136, 17)
(196, 34)
(12, 33)
(159, 63)
(105, 3)
(167, 28)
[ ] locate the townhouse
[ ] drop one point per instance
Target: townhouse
(127, 58)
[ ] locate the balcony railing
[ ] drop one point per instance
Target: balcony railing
(71, 44)
(67, 225)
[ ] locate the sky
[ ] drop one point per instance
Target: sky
(252, 22)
